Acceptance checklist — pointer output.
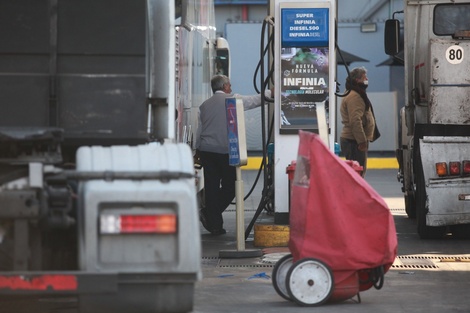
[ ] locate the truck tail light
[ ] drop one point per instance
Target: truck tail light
(28, 282)
(441, 169)
(135, 224)
(454, 168)
(466, 167)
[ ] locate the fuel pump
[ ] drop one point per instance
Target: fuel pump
(305, 72)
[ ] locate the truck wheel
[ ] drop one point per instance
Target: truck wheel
(6, 255)
(279, 275)
(461, 231)
(201, 199)
(410, 206)
(59, 250)
(424, 231)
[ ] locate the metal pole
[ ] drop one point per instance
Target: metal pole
(322, 122)
(240, 207)
(240, 252)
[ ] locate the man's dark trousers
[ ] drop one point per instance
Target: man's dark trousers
(219, 186)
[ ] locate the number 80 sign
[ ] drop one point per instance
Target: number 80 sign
(455, 54)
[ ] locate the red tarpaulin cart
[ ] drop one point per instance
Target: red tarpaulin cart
(342, 234)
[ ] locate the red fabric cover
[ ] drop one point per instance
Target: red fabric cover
(335, 215)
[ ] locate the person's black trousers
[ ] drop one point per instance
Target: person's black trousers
(350, 151)
(219, 186)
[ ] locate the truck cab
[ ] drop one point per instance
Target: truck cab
(436, 117)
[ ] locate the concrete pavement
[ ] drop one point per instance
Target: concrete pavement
(427, 276)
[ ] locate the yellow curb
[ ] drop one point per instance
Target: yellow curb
(254, 163)
(382, 163)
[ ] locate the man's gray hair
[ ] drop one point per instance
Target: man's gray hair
(357, 73)
(218, 82)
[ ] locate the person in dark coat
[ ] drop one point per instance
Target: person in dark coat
(358, 119)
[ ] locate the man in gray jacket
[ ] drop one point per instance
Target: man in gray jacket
(212, 148)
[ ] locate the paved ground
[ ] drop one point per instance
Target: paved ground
(430, 276)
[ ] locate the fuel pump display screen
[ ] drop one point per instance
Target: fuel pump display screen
(305, 26)
(304, 66)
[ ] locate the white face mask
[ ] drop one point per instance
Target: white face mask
(366, 82)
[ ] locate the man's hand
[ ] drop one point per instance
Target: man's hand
(362, 146)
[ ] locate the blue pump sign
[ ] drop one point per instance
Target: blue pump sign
(305, 27)
(232, 131)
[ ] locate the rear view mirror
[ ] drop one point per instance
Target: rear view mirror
(222, 57)
(392, 37)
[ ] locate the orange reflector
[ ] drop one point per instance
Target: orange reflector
(441, 169)
(454, 168)
(466, 167)
(127, 224)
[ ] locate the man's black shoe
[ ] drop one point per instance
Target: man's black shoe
(218, 232)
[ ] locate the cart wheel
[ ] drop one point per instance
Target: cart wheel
(279, 275)
(310, 282)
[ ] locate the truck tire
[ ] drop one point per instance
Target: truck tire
(410, 206)
(201, 199)
(59, 250)
(460, 231)
(424, 231)
(6, 255)
(58, 254)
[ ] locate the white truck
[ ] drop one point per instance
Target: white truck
(98, 207)
(434, 148)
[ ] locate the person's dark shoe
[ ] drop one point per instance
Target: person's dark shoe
(218, 232)
(203, 219)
